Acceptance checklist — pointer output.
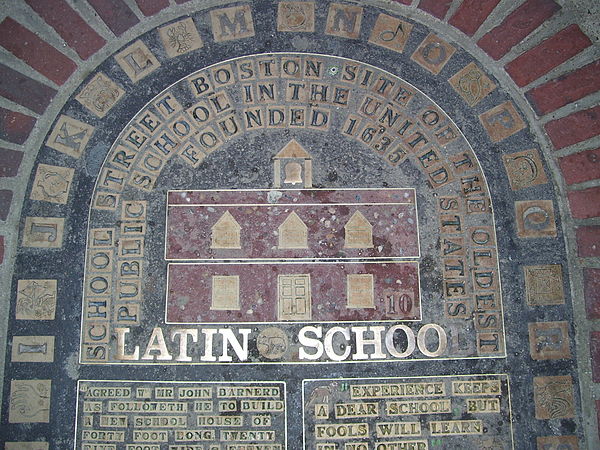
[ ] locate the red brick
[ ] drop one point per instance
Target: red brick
(69, 25)
(115, 14)
(23, 90)
(1, 249)
(437, 8)
(575, 128)
(517, 25)
(471, 14)
(38, 54)
(5, 201)
(591, 292)
(151, 7)
(588, 241)
(10, 160)
(564, 90)
(544, 57)
(595, 354)
(580, 167)
(585, 203)
(15, 127)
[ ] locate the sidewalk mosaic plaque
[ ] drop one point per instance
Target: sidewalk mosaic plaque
(285, 264)
(335, 198)
(470, 411)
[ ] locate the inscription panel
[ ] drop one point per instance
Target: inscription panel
(419, 413)
(124, 415)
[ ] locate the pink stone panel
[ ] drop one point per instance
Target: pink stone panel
(189, 292)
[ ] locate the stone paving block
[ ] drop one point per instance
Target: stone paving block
(36, 300)
(25, 91)
(553, 396)
(52, 183)
(11, 160)
(34, 51)
(547, 55)
(390, 32)
(296, 16)
(69, 136)
(544, 285)
(80, 36)
(591, 288)
(588, 241)
(580, 167)
(151, 7)
(233, 23)
(577, 127)
(471, 14)
(14, 126)
(116, 15)
(344, 21)
(30, 401)
(33, 349)
(38, 445)
(524, 169)
(566, 89)
(5, 201)
(433, 53)
(180, 37)
(502, 121)
(549, 340)
(557, 443)
(100, 95)
(43, 232)
(137, 61)
(472, 84)
(585, 203)
(516, 26)
(437, 8)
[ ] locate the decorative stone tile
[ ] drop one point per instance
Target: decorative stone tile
(553, 397)
(232, 23)
(390, 32)
(43, 232)
(544, 285)
(36, 300)
(344, 20)
(137, 61)
(296, 16)
(33, 349)
(502, 121)
(549, 340)
(52, 183)
(557, 443)
(472, 84)
(100, 95)
(29, 401)
(69, 136)
(535, 219)
(180, 37)
(524, 169)
(433, 53)
(26, 446)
